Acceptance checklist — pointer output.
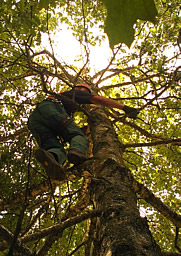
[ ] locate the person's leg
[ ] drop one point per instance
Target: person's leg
(76, 138)
(56, 119)
(51, 153)
(78, 143)
(46, 139)
(53, 117)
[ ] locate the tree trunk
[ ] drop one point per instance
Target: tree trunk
(120, 230)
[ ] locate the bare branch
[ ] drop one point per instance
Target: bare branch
(143, 131)
(17, 198)
(48, 243)
(86, 47)
(78, 247)
(115, 71)
(154, 143)
(61, 227)
(131, 82)
(22, 212)
(6, 235)
(176, 239)
(68, 76)
(19, 132)
(174, 78)
(104, 70)
(170, 254)
(156, 202)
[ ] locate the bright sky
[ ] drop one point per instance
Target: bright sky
(67, 48)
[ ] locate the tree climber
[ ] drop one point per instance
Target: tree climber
(51, 122)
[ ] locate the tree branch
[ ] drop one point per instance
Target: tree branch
(154, 143)
(114, 73)
(78, 247)
(156, 202)
(82, 203)
(69, 77)
(61, 227)
(176, 240)
(22, 213)
(48, 243)
(141, 130)
(131, 82)
(6, 235)
(34, 190)
(174, 78)
(104, 70)
(170, 254)
(19, 132)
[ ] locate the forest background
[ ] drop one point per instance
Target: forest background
(39, 216)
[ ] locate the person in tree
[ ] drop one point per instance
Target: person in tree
(51, 122)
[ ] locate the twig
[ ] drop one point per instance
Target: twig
(165, 88)
(6, 235)
(70, 237)
(17, 231)
(21, 216)
(170, 254)
(176, 239)
(70, 78)
(78, 247)
(48, 243)
(86, 47)
(62, 226)
(142, 131)
(113, 57)
(156, 202)
(128, 83)
(154, 143)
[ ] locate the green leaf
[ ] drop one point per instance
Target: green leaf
(122, 15)
(22, 5)
(44, 3)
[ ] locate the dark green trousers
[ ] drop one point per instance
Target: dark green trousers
(47, 125)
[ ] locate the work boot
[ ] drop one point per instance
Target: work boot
(52, 167)
(76, 157)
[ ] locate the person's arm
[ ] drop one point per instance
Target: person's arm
(100, 100)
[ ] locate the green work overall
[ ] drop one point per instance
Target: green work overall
(49, 122)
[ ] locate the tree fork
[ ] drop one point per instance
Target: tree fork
(120, 231)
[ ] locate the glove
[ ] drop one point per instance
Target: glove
(131, 112)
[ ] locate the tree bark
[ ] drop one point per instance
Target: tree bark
(119, 231)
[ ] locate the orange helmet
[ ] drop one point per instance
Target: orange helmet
(85, 86)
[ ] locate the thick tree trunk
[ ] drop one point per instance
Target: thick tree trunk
(120, 230)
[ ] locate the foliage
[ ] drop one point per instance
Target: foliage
(122, 15)
(147, 76)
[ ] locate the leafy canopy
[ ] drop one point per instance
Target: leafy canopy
(146, 77)
(31, 17)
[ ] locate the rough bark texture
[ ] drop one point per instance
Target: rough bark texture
(120, 230)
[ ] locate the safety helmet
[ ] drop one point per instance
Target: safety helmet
(85, 86)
